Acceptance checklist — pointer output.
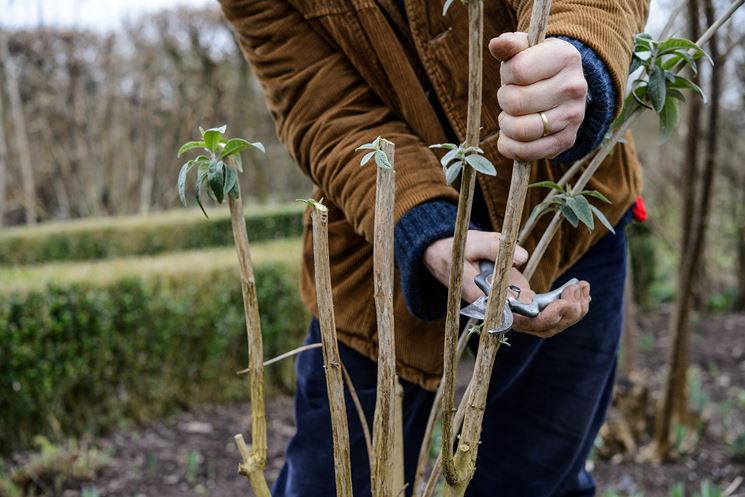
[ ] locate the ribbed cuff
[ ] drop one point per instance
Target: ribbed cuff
(425, 297)
(601, 98)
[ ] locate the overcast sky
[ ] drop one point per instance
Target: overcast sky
(107, 14)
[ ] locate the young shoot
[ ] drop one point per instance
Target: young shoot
(313, 204)
(658, 87)
(214, 168)
(575, 208)
(375, 151)
(459, 155)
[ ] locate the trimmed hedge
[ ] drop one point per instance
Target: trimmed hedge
(145, 337)
(173, 231)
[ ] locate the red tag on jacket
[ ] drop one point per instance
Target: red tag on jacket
(638, 210)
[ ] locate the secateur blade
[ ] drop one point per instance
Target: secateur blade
(477, 310)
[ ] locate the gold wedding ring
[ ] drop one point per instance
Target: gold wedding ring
(546, 124)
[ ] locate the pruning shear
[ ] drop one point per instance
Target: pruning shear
(540, 301)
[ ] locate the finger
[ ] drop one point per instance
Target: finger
(547, 147)
(530, 127)
(544, 95)
(539, 62)
(470, 292)
(485, 245)
(507, 45)
(545, 323)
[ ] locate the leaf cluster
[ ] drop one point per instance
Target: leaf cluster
(375, 151)
(459, 155)
(313, 204)
(575, 208)
(659, 87)
(213, 169)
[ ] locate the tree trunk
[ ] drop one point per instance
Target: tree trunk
(21, 138)
(674, 409)
(630, 331)
(740, 304)
(3, 160)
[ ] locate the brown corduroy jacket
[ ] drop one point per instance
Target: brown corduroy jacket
(338, 73)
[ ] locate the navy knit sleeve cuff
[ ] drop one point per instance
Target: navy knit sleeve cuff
(601, 97)
(425, 297)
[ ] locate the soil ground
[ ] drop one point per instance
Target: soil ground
(193, 454)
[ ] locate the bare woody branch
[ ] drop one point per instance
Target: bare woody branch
(331, 360)
(254, 461)
(465, 456)
(384, 432)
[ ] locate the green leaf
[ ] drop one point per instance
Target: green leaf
(686, 84)
(313, 204)
(657, 88)
(450, 156)
(569, 215)
(449, 146)
(674, 59)
(636, 63)
(669, 119)
(596, 194)
(216, 179)
(472, 150)
(231, 179)
(212, 137)
(201, 178)
(238, 162)
(366, 146)
(236, 145)
(547, 184)
(675, 44)
(541, 209)
(366, 158)
(453, 171)
(382, 160)
(481, 164)
(190, 146)
(581, 208)
(182, 180)
(672, 92)
(603, 220)
(630, 105)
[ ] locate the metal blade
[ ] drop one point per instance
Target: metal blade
(477, 310)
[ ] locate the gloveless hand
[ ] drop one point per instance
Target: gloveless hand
(545, 78)
(555, 318)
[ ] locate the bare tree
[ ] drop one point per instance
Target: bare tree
(674, 408)
(19, 128)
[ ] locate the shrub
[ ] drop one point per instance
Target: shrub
(137, 338)
(139, 235)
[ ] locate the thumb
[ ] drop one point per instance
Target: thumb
(507, 45)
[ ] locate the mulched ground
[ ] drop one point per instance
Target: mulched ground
(193, 454)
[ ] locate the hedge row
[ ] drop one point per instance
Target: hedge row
(86, 354)
(142, 235)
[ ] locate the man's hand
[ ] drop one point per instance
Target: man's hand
(547, 78)
(557, 316)
(479, 245)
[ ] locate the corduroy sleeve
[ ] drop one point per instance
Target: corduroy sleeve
(324, 109)
(606, 26)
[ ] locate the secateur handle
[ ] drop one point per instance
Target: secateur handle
(540, 301)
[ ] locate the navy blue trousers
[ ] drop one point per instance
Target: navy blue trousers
(546, 403)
